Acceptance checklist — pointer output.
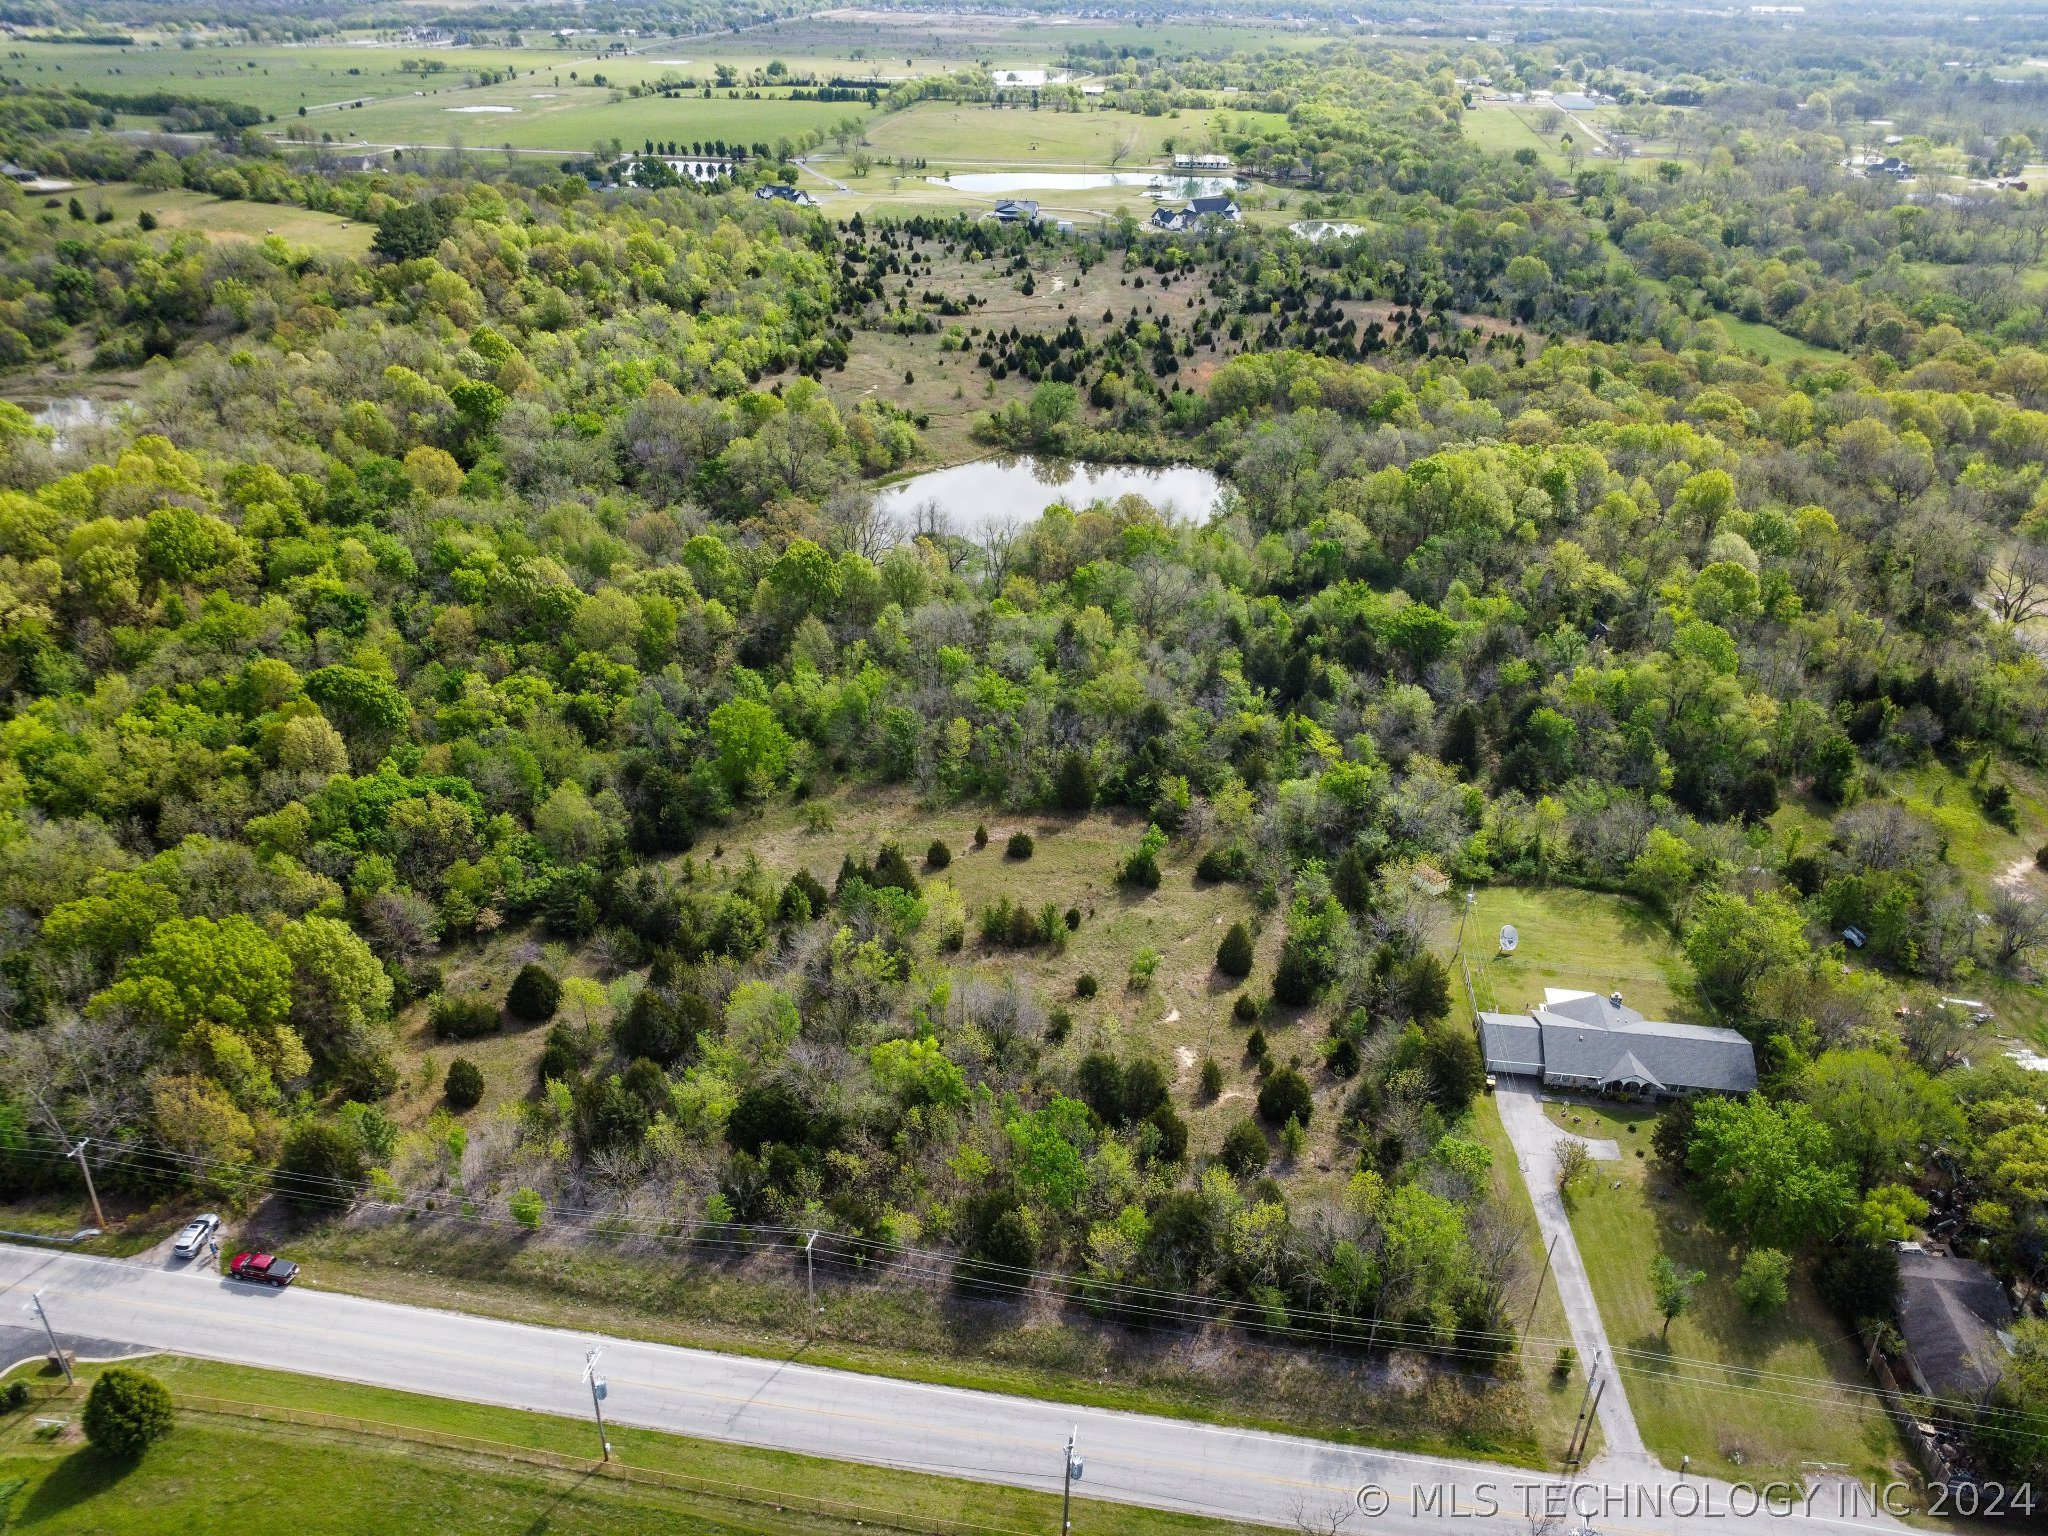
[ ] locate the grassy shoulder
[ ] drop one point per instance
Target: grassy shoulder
(1743, 1396)
(224, 1470)
(914, 1334)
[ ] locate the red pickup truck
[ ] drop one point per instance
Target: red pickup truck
(263, 1268)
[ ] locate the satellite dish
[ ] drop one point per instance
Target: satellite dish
(1508, 938)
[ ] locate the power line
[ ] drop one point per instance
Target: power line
(992, 1279)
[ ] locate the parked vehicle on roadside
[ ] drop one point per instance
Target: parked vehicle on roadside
(263, 1268)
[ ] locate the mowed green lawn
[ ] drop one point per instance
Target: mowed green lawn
(1744, 1397)
(1570, 938)
(218, 1472)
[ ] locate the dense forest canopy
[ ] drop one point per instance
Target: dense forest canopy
(494, 581)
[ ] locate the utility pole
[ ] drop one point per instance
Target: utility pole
(1585, 1398)
(79, 1153)
(810, 1284)
(1073, 1476)
(1586, 1429)
(598, 1391)
(99, 1216)
(35, 1305)
(1471, 898)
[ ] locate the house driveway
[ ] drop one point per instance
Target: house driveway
(1535, 1141)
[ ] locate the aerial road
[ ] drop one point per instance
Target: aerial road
(1203, 1469)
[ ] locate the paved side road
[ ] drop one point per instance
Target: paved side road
(1535, 1140)
(1200, 1469)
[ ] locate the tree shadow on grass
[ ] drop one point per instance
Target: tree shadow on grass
(82, 1475)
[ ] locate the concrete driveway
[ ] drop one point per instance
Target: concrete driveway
(1535, 1140)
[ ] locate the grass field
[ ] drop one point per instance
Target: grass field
(1571, 938)
(1744, 1397)
(954, 136)
(221, 219)
(1505, 129)
(221, 1472)
(1774, 345)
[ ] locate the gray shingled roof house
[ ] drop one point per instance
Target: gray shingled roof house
(1951, 1314)
(1578, 1039)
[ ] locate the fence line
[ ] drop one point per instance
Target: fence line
(651, 1477)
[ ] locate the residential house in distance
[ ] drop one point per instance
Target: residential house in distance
(1212, 165)
(1015, 210)
(1197, 212)
(1582, 1040)
(780, 192)
(1953, 1317)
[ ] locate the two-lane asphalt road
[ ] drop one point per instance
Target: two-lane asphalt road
(1134, 1458)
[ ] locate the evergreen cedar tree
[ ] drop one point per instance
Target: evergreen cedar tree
(463, 1087)
(126, 1412)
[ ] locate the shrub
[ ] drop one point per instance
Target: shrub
(566, 1051)
(1212, 1079)
(2041, 856)
(1017, 926)
(534, 995)
(1245, 1009)
(322, 1164)
(1234, 954)
(893, 869)
(1765, 1281)
(1085, 985)
(464, 1085)
(453, 1017)
(1244, 1149)
(1058, 1026)
(1020, 845)
(1220, 864)
(1561, 1368)
(804, 897)
(1172, 1143)
(1073, 919)
(980, 835)
(14, 1396)
(526, 1207)
(1285, 1096)
(1344, 1057)
(126, 1413)
(1144, 966)
(1255, 1044)
(938, 856)
(1293, 1140)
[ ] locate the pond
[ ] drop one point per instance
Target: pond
(1005, 182)
(1008, 491)
(65, 417)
